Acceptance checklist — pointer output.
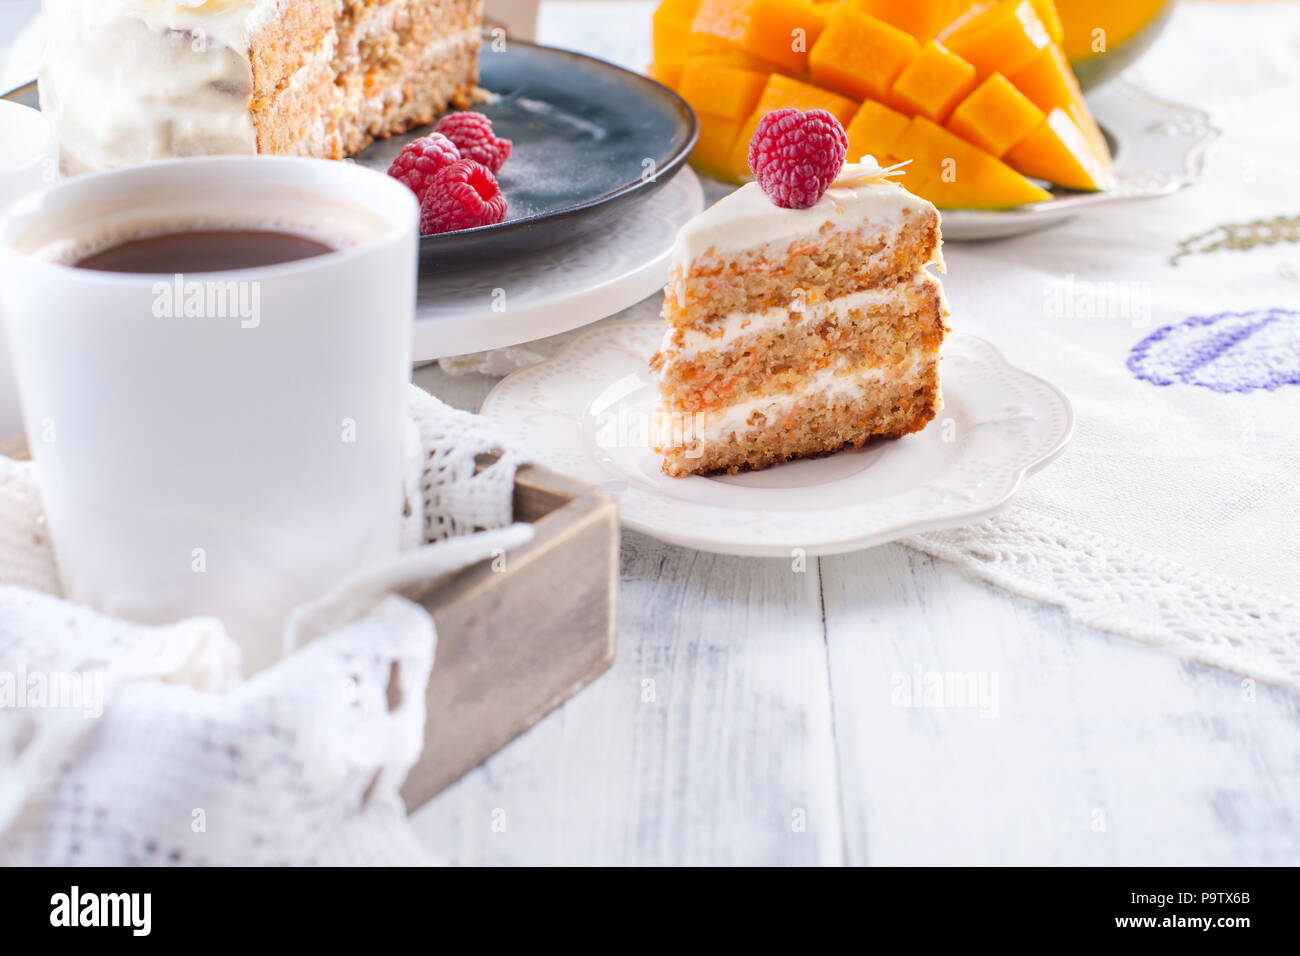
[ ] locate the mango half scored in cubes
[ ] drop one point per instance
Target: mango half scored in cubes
(977, 93)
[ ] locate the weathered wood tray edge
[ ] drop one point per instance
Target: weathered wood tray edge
(515, 640)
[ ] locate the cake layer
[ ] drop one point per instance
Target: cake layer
(841, 408)
(832, 262)
(299, 117)
(774, 351)
(400, 66)
(299, 35)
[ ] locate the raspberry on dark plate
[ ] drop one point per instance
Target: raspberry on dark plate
(795, 156)
(473, 136)
(420, 160)
(461, 196)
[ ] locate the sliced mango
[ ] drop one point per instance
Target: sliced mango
(671, 27)
(673, 41)
(733, 58)
(779, 32)
(1119, 20)
(1046, 10)
(719, 89)
(667, 72)
(713, 149)
(933, 83)
(951, 172)
(1049, 82)
(671, 32)
(859, 54)
(874, 131)
(966, 88)
(781, 92)
(923, 19)
(1002, 39)
(996, 116)
(1057, 151)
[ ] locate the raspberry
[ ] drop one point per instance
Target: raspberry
(473, 136)
(796, 156)
(461, 196)
(420, 160)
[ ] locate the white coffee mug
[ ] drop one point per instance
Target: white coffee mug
(191, 462)
(29, 161)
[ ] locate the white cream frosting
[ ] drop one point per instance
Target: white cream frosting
(747, 218)
(126, 81)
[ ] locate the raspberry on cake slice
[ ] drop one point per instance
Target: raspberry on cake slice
(801, 315)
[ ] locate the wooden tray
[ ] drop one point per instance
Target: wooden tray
(514, 644)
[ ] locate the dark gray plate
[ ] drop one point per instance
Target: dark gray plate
(589, 138)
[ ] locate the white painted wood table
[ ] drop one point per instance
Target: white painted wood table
(751, 716)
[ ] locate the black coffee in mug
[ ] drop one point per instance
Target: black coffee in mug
(204, 250)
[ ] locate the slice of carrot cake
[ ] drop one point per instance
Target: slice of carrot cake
(795, 332)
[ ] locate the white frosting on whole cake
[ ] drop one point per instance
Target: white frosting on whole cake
(126, 81)
(747, 218)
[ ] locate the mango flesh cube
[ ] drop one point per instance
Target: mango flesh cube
(996, 116)
(1046, 10)
(874, 131)
(1058, 152)
(673, 42)
(668, 72)
(671, 27)
(859, 54)
(718, 89)
(733, 58)
(679, 12)
(782, 92)
(1003, 39)
(671, 31)
(779, 32)
(1050, 84)
(923, 19)
(933, 83)
(951, 172)
(713, 148)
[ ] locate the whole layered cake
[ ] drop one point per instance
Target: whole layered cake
(127, 81)
(800, 320)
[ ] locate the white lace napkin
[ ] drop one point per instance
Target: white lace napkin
(126, 744)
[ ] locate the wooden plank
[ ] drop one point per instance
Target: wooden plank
(708, 742)
(1093, 750)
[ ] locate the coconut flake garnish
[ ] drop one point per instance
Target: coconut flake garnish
(866, 171)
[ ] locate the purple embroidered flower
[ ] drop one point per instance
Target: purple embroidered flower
(1229, 352)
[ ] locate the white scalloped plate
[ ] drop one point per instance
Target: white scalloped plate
(586, 413)
(1158, 146)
